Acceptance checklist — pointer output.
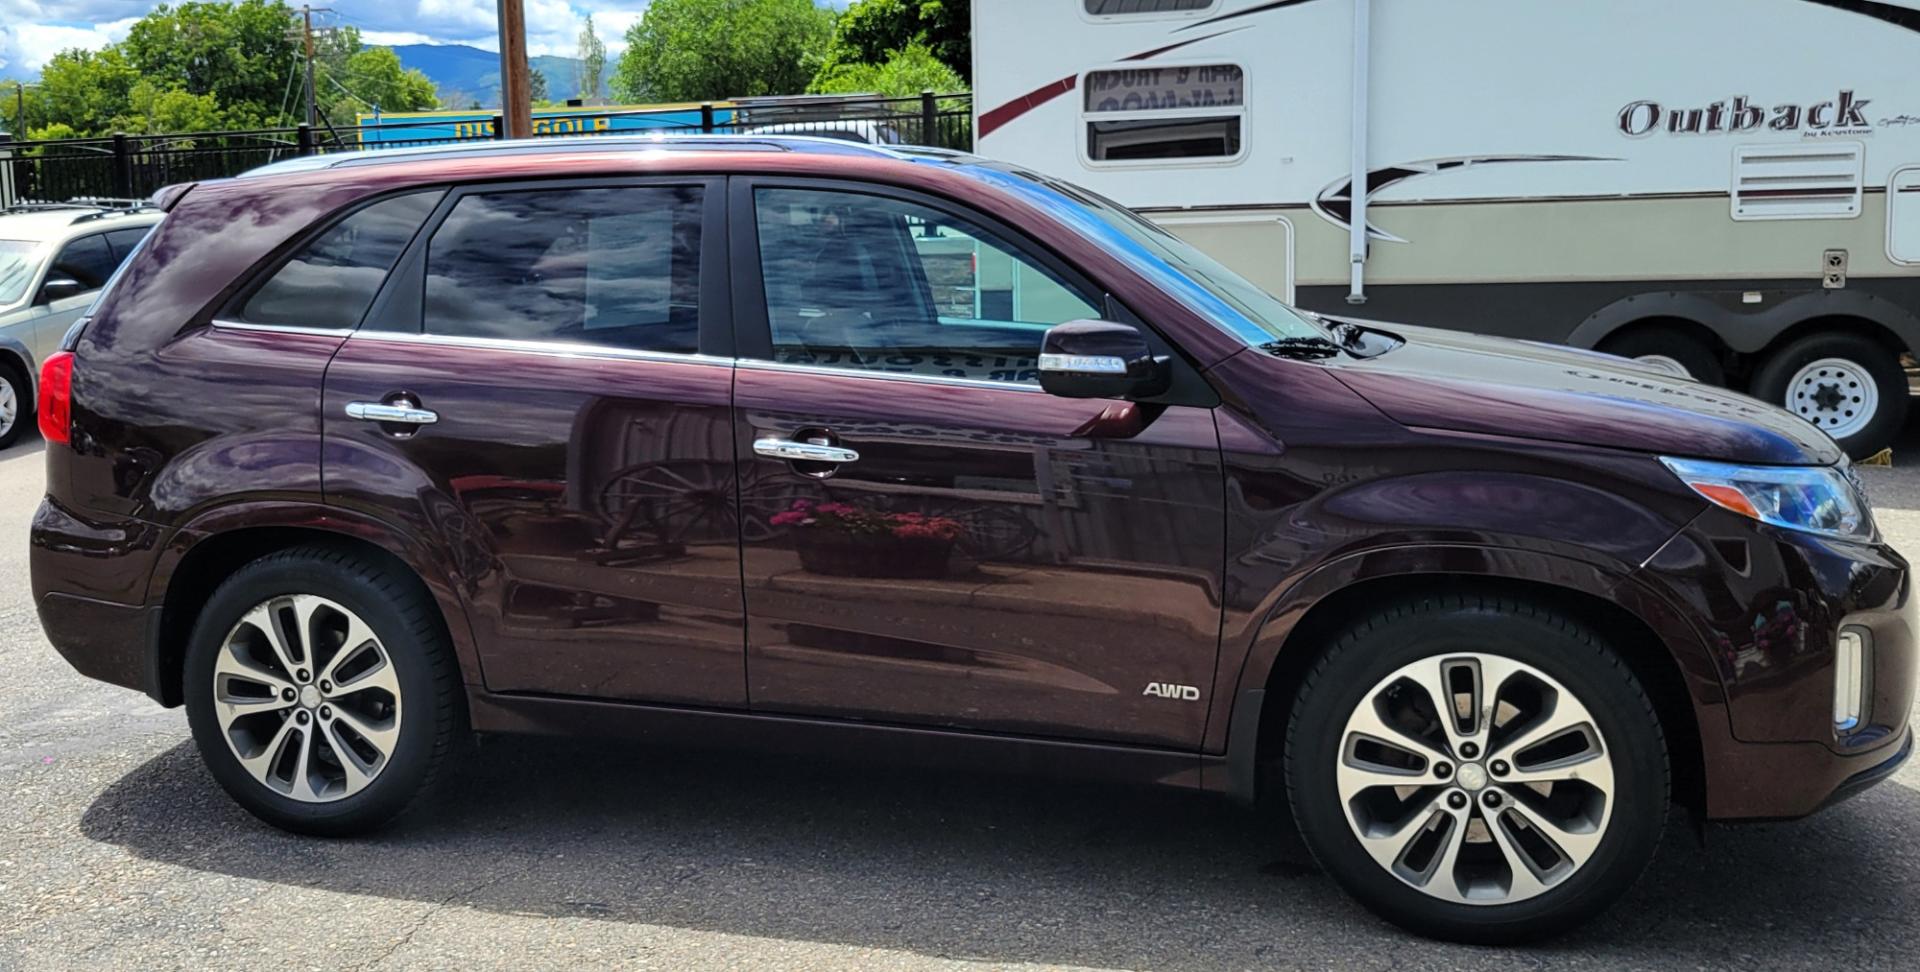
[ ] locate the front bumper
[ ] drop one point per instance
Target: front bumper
(1765, 609)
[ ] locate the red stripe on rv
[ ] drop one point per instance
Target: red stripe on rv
(990, 120)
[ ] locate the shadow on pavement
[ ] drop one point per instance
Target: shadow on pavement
(974, 867)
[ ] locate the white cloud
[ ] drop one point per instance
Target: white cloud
(26, 46)
(394, 38)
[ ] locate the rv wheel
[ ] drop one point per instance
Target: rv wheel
(1849, 386)
(1670, 351)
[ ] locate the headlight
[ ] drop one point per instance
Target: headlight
(1815, 499)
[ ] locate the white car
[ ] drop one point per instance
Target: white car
(53, 259)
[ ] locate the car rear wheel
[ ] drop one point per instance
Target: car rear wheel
(1848, 386)
(1477, 769)
(321, 691)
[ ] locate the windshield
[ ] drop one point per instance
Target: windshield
(1230, 300)
(16, 269)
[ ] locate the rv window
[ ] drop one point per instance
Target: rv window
(1130, 8)
(1183, 112)
(1903, 216)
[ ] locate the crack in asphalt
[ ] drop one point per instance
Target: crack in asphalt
(427, 916)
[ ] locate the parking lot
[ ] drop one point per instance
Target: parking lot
(118, 851)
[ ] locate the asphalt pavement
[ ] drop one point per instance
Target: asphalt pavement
(117, 850)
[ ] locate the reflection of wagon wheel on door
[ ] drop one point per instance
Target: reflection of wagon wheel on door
(655, 510)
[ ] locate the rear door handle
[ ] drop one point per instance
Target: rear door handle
(402, 412)
(804, 451)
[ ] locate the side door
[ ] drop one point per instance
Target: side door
(544, 387)
(929, 538)
(86, 260)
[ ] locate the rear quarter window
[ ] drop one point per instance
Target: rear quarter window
(331, 281)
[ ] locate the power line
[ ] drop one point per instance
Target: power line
(293, 71)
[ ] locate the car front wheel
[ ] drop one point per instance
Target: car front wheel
(321, 691)
(1477, 769)
(16, 406)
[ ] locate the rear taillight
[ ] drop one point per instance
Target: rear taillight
(56, 398)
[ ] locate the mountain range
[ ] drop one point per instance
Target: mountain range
(463, 75)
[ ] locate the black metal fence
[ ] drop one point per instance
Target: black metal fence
(130, 166)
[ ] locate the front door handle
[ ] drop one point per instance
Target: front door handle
(804, 451)
(401, 411)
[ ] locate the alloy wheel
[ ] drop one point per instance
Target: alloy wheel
(9, 407)
(1475, 778)
(307, 698)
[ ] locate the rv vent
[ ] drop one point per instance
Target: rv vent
(1820, 181)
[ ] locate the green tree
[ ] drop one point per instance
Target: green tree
(153, 109)
(85, 90)
(239, 53)
(536, 85)
(593, 61)
(14, 96)
(906, 72)
(872, 31)
(373, 77)
(703, 50)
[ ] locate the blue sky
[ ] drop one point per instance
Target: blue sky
(31, 31)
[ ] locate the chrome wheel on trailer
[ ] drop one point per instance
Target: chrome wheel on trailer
(1836, 394)
(307, 698)
(1475, 779)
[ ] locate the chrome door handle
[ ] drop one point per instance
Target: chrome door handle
(402, 412)
(803, 451)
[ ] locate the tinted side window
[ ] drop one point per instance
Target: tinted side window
(123, 241)
(619, 267)
(87, 259)
(332, 281)
(881, 284)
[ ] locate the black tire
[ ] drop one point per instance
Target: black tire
(404, 618)
(1875, 360)
(1576, 657)
(1702, 364)
(23, 404)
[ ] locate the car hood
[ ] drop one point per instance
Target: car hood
(1472, 383)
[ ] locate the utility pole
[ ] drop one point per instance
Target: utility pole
(304, 34)
(516, 91)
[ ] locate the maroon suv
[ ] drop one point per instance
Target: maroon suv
(803, 445)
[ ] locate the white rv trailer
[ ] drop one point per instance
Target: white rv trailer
(1725, 187)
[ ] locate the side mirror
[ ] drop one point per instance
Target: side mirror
(1100, 359)
(60, 288)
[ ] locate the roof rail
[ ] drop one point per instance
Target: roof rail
(581, 144)
(104, 213)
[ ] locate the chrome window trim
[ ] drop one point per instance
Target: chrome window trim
(573, 348)
(634, 354)
(226, 325)
(760, 364)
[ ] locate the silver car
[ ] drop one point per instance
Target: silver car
(53, 258)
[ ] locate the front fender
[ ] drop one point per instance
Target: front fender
(1245, 678)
